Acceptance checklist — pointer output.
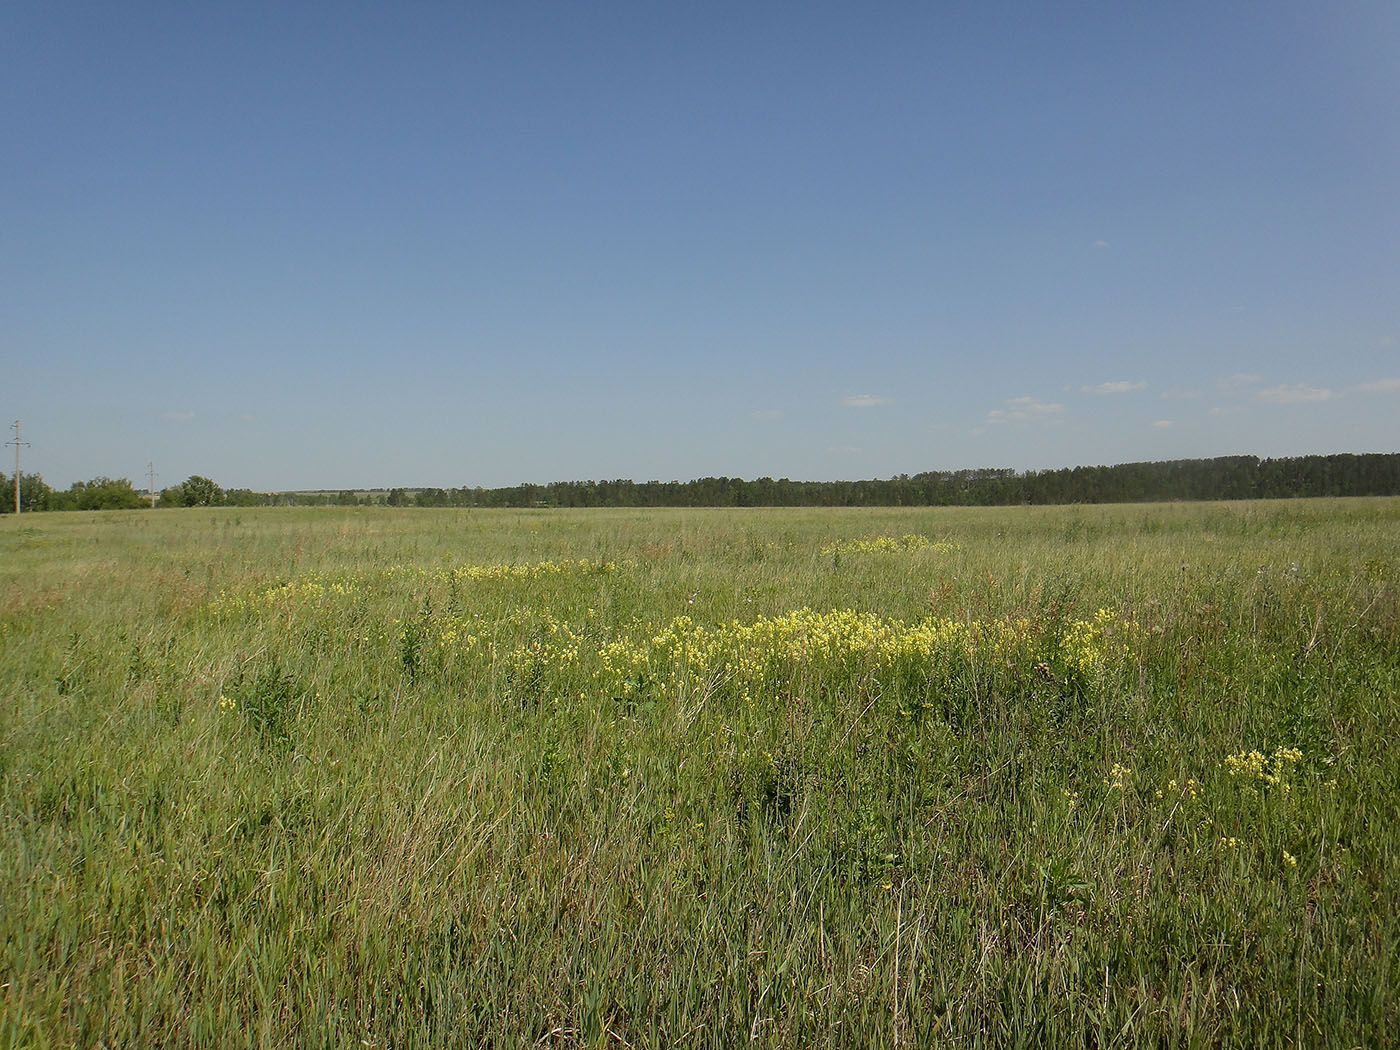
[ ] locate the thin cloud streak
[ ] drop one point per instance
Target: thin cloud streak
(1389, 385)
(1116, 386)
(1238, 381)
(1296, 394)
(1026, 410)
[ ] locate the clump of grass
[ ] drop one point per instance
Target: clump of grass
(269, 701)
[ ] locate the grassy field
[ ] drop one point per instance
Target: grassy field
(1109, 776)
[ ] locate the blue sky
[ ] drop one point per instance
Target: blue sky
(339, 245)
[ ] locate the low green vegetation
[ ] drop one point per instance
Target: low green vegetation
(1109, 776)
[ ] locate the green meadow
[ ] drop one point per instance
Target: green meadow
(1092, 776)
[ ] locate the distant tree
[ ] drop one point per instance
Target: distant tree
(34, 494)
(102, 494)
(399, 498)
(194, 491)
(201, 492)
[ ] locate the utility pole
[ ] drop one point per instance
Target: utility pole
(17, 443)
(151, 483)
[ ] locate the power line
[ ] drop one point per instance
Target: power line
(17, 443)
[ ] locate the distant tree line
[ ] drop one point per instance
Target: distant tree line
(119, 494)
(98, 494)
(1223, 478)
(195, 491)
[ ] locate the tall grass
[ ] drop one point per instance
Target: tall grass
(419, 778)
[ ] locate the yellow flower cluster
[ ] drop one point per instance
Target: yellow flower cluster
(1273, 769)
(886, 544)
(1087, 643)
(313, 590)
(533, 571)
(308, 591)
(1188, 790)
(1118, 777)
(774, 652)
(452, 634)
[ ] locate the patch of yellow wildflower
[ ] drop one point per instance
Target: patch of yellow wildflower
(312, 590)
(773, 653)
(532, 571)
(889, 544)
(308, 591)
(768, 655)
(1272, 770)
(1090, 644)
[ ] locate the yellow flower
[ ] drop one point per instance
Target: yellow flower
(1117, 778)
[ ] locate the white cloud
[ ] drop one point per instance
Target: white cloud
(1099, 244)
(1389, 385)
(177, 417)
(1238, 381)
(766, 413)
(865, 400)
(1163, 424)
(1297, 394)
(1026, 410)
(1116, 386)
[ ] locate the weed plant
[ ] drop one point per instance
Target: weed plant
(1098, 777)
